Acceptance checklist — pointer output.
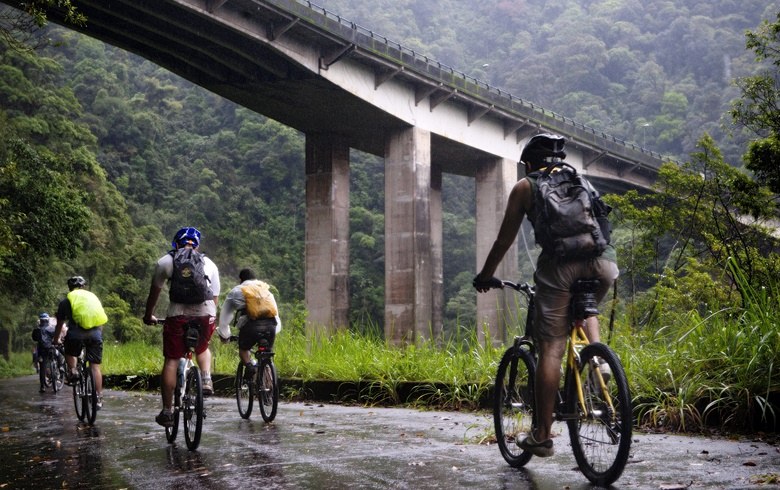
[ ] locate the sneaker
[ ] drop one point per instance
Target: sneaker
(249, 370)
(543, 449)
(42, 390)
(72, 378)
(164, 418)
(207, 386)
(100, 402)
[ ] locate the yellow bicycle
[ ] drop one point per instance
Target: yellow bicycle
(596, 406)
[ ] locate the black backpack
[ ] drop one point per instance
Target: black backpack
(189, 284)
(570, 219)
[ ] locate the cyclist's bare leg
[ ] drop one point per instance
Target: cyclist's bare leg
(592, 329)
(98, 375)
(548, 376)
(245, 356)
(168, 381)
(204, 363)
(71, 362)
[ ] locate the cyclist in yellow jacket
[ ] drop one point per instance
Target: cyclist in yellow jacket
(84, 314)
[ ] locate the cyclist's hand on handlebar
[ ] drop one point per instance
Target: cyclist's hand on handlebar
(150, 320)
(484, 285)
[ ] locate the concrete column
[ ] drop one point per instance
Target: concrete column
(327, 232)
(437, 254)
(408, 262)
(496, 308)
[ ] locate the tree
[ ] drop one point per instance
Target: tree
(19, 29)
(759, 108)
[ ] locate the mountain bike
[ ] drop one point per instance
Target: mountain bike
(85, 397)
(595, 406)
(52, 368)
(188, 394)
(261, 382)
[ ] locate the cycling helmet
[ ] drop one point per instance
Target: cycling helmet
(184, 236)
(43, 316)
(76, 282)
(542, 148)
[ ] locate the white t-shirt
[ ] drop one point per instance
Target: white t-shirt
(163, 273)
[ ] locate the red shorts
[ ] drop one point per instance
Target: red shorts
(173, 335)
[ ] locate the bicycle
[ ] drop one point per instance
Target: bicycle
(52, 369)
(596, 407)
(262, 383)
(85, 397)
(188, 394)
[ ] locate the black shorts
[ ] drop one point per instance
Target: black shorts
(254, 330)
(92, 339)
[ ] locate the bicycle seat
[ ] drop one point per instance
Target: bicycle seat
(191, 334)
(583, 301)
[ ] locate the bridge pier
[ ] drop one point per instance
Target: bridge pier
(327, 232)
(497, 308)
(409, 256)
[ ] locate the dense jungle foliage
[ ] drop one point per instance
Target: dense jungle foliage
(103, 155)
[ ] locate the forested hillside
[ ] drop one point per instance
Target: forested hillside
(104, 155)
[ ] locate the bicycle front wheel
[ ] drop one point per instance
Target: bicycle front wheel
(192, 407)
(513, 404)
(245, 391)
(268, 390)
(89, 396)
(601, 436)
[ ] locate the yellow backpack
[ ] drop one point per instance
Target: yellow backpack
(259, 300)
(86, 309)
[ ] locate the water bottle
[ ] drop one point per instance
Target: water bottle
(180, 378)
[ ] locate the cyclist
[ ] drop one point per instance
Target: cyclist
(83, 313)
(43, 334)
(180, 313)
(251, 298)
(553, 278)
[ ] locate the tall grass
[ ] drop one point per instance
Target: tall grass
(720, 369)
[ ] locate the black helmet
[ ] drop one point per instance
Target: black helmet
(542, 147)
(76, 282)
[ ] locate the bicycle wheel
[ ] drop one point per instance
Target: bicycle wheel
(61, 372)
(89, 396)
(53, 374)
(268, 390)
(79, 387)
(513, 404)
(245, 392)
(601, 438)
(192, 406)
(172, 431)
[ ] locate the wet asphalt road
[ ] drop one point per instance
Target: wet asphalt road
(313, 446)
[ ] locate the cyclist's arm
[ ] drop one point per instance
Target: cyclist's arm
(517, 205)
(226, 314)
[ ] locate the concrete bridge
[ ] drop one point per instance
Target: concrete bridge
(346, 87)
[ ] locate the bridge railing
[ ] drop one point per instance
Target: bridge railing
(366, 38)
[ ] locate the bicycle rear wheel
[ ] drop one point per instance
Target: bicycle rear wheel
(245, 392)
(53, 374)
(89, 396)
(192, 406)
(79, 387)
(601, 438)
(513, 404)
(268, 392)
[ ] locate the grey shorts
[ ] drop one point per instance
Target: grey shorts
(553, 280)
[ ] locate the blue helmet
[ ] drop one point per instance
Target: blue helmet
(43, 316)
(188, 235)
